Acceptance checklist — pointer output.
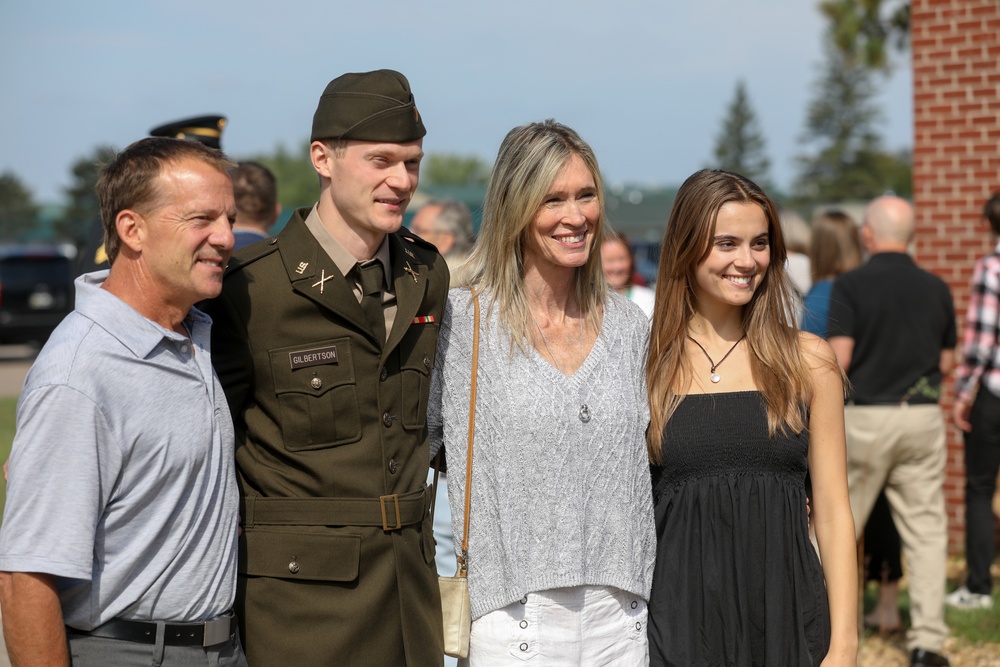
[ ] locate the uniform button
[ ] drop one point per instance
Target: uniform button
(316, 383)
(384, 374)
(638, 625)
(387, 419)
(392, 466)
(524, 600)
(293, 567)
(523, 624)
(524, 646)
(634, 604)
(184, 349)
(427, 362)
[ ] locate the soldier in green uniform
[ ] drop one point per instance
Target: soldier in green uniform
(324, 340)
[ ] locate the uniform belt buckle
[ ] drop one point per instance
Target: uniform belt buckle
(218, 630)
(395, 502)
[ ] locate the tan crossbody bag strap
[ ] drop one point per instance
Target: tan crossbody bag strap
(463, 558)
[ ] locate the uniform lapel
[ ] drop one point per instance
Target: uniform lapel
(409, 279)
(314, 275)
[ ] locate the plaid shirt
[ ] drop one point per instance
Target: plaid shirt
(981, 340)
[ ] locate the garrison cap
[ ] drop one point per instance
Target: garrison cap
(205, 129)
(368, 106)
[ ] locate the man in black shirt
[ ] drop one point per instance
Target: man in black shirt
(892, 326)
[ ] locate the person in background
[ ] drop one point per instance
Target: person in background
(120, 526)
(834, 247)
(895, 427)
(618, 262)
(561, 533)
(325, 340)
(797, 235)
(257, 207)
(977, 413)
(446, 223)
(742, 406)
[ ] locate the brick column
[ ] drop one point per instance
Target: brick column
(956, 163)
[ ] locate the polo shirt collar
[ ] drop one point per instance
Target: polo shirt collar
(122, 322)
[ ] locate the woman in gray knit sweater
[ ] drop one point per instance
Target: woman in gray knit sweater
(561, 541)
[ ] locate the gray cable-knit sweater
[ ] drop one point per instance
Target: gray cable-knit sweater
(556, 501)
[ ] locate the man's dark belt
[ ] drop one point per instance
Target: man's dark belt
(209, 633)
(391, 512)
(909, 401)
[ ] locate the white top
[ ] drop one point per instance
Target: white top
(643, 297)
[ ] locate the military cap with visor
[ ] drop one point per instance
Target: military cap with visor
(203, 129)
(368, 106)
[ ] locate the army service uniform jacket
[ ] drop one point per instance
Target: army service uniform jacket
(337, 551)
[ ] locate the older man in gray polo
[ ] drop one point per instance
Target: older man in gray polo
(119, 536)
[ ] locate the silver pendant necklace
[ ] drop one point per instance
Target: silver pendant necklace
(715, 364)
(584, 412)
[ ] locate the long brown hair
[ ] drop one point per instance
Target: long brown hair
(775, 356)
(835, 246)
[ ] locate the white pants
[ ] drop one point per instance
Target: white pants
(563, 627)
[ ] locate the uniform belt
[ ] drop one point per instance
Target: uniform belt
(391, 512)
(209, 633)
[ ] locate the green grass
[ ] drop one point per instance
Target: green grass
(982, 625)
(979, 625)
(7, 405)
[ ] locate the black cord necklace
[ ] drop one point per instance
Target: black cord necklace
(715, 364)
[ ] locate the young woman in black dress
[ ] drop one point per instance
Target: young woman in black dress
(742, 406)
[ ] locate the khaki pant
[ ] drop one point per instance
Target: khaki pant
(903, 448)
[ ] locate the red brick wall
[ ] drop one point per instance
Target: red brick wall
(956, 161)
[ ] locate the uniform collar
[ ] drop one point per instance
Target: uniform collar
(342, 259)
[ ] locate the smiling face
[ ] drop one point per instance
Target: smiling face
(738, 256)
(186, 236)
(562, 231)
(370, 185)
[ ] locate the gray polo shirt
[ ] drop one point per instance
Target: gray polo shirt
(122, 480)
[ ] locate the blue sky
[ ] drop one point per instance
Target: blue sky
(645, 82)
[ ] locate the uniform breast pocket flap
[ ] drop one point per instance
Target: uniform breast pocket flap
(317, 394)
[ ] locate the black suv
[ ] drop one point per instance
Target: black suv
(36, 292)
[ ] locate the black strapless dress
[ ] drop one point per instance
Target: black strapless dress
(737, 581)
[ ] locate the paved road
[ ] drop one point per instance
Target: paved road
(15, 360)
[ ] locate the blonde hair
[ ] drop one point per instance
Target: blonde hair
(775, 356)
(527, 164)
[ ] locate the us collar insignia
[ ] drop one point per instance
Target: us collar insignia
(302, 268)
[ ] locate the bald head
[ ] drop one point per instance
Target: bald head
(890, 222)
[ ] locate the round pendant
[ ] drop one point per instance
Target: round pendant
(716, 377)
(584, 413)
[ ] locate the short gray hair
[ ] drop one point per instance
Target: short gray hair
(455, 218)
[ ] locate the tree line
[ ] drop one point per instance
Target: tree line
(842, 153)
